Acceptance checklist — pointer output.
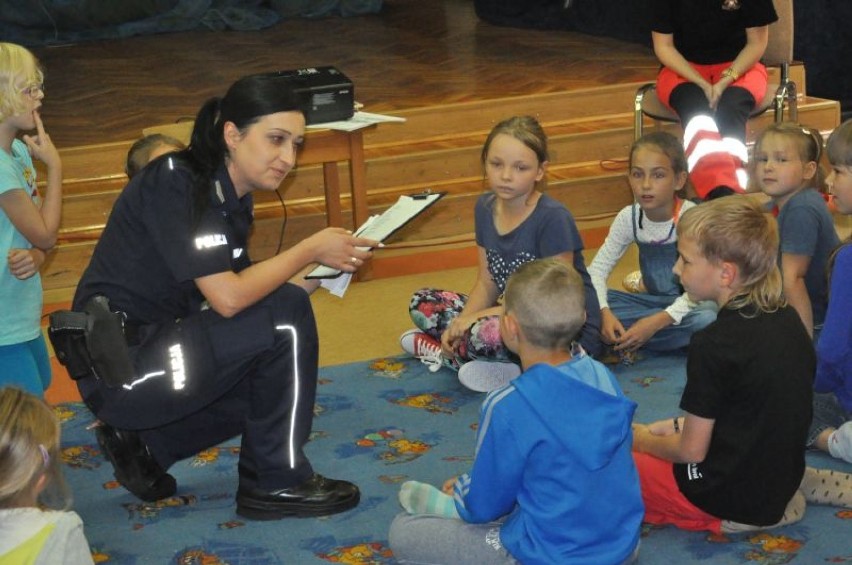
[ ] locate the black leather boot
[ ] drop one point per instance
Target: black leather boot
(318, 496)
(134, 466)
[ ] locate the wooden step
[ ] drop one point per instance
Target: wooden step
(465, 118)
(590, 132)
(426, 124)
(589, 198)
(88, 202)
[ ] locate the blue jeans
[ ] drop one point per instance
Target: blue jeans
(828, 413)
(631, 307)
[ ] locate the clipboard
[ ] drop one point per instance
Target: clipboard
(384, 225)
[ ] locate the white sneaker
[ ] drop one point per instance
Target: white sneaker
(485, 376)
(424, 347)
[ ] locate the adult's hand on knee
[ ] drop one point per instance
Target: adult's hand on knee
(716, 94)
(707, 89)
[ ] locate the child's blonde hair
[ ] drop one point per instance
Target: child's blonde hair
(808, 142)
(140, 152)
(17, 64)
(546, 297)
(736, 230)
(29, 449)
(525, 129)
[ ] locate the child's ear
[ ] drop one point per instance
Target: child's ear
(510, 330)
(542, 168)
(810, 169)
(41, 483)
(681, 180)
(728, 274)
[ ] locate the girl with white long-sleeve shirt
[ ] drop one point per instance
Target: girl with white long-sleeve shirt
(662, 317)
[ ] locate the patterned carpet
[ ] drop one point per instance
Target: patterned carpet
(379, 423)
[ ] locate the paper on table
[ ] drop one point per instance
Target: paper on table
(383, 226)
(357, 121)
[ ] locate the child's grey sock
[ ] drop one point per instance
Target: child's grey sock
(422, 498)
(825, 486)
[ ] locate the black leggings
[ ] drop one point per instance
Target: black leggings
(731, 114)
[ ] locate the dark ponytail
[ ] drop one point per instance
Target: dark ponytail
(206, 152)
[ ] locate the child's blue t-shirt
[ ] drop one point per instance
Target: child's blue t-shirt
(550, 230)
(806, 227)
(20, 300)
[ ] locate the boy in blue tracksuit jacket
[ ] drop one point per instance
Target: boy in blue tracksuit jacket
(553, 480)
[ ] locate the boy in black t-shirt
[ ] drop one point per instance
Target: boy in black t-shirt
(736, 460)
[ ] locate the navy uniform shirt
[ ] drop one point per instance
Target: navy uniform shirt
(153, 246)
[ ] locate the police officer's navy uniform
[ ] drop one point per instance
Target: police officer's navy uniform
(201, 378)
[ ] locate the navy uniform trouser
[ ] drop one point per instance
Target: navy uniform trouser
(205, 378)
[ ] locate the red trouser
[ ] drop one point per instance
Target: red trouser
(715, 143)
(664, 503)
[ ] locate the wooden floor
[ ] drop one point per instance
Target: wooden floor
(415, 53)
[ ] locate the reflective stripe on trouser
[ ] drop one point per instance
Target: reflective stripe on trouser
(713, 160)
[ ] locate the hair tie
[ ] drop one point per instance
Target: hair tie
(44, 454)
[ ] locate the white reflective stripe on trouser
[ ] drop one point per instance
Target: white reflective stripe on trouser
(698, 124)
(736, 148)
(742, 177)
(729, 146)
(702, 149)
(177, 368)
(144, 378)
(296, 386)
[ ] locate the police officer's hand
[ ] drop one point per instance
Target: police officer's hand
(339, 249)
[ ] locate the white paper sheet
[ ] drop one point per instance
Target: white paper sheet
(378, 227)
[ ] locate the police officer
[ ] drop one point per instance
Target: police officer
(220, 346)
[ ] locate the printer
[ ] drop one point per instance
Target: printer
(330, 94)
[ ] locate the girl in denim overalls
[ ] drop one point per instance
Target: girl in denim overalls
(659, 317)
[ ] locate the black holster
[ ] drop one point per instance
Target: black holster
(92, 342)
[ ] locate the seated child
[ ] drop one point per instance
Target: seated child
(736, 461)
(148, 148)
(786, 160)
(660, 317)
(549, 443)
(30, 479)
(831, 430)
(515, 223)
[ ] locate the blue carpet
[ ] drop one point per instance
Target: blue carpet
(379, 423)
